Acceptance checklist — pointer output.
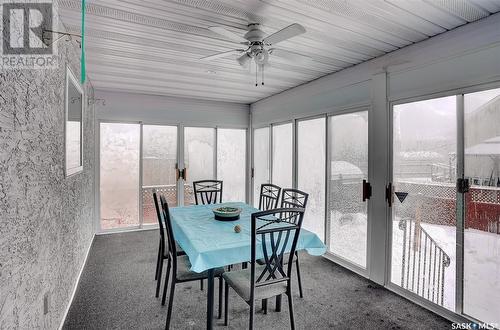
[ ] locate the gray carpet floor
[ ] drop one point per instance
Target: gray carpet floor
(116, 291)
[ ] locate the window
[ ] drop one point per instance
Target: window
(199, 158)
(231, 163)
(311, 138)
(282, 158)
(482, 205)
(119, 174)
(260, 161)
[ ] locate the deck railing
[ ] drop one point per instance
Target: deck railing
(423, 262)
(170, 193)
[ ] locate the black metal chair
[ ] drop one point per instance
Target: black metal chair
(207, 192)
(271, 232)
(269, 196)
(180, 267)
(294, 198)
(162, 248)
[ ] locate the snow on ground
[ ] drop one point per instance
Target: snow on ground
(348, 236)
(481, 260)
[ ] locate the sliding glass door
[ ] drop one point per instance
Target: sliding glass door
(347, 211)
(159, 165)
(446, 211)
(424, 193)
(282, 155)
(311, 159)
(136, 159)
(119, 168)
(481, 264)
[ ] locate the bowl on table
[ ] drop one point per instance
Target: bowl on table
(227, 213)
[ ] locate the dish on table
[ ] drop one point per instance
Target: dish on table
(227, 213)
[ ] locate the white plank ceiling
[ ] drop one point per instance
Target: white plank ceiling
(154, 46)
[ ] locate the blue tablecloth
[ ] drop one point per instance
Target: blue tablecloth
(210, 243)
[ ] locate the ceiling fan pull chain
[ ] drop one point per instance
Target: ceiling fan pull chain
(262, 74)
(256, 73)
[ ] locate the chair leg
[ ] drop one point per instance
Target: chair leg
(252, 313)
(165, 286)
(158, 261)
(278, 303)
(226, 304)
(264, 306)
(170, 304)
(298, 277)
(220, 297)
(158, 283)
(201, 285)
(290, 308)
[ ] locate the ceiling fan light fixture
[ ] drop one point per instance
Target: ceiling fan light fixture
(262, 57)
(244, 59)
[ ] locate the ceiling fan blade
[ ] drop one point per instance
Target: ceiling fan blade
(222, 54)
(228, 34)
(284, 34)
(290, 56)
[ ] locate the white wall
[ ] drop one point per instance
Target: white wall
(466, 56)
(152, 109)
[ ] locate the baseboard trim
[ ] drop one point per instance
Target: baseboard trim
(76, 283)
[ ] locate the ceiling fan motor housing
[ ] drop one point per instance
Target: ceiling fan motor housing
(254, 34)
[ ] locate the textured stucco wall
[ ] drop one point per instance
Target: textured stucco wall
(46, 219)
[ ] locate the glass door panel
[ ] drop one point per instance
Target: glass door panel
(482, 206)
(348, 168)
(199, 158)
(260, 161)
(424, 199)
(159, 159)
(119, 175)
(311, 138)
(282, 155)
(231, 163)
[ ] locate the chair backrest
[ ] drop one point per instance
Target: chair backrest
(292, 198)
(269, 196)
(172, 248)
(161, 218)
(276, 232)
(207, 192)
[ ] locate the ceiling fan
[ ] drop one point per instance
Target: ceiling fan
(259, 46)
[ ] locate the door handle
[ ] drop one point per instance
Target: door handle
(388, 194)
(463, 185)
(367, 190)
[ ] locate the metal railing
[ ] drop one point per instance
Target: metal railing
(423, 262)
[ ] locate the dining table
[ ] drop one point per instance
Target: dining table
(211, 243)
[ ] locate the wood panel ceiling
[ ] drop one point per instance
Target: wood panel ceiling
(154, 46)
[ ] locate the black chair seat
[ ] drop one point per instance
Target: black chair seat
(239, 280)
(185, 274)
